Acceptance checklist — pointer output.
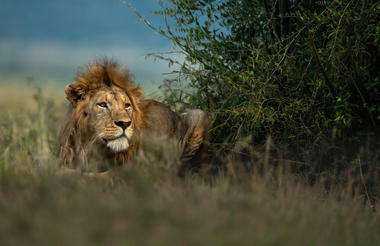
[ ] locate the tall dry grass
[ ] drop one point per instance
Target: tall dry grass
(148, 204)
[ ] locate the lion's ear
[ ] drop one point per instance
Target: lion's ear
(137, 92)
(75, 92)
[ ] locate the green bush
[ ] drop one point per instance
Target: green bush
(300, 71)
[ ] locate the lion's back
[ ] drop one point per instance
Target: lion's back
(161, 119)
(189, 130)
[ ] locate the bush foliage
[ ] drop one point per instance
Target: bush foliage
(301, 71)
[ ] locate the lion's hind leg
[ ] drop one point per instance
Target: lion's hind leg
(197, 139)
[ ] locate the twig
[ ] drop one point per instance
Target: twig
(362, 179)
(314, 49)
(337, 29)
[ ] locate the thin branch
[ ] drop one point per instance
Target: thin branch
(314, 49)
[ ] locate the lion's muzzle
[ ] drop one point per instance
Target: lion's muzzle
(118, 144)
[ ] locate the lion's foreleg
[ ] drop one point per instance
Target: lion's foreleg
(70, 172)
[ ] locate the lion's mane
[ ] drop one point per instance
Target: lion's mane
(76, 140)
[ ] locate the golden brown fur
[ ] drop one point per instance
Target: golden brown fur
(108, 118)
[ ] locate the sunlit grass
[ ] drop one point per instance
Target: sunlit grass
(148, 204)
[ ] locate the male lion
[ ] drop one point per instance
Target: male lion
(108, 118)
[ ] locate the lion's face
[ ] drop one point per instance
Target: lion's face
(110, 115)
(105, 109)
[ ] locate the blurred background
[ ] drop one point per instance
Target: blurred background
(48, 41)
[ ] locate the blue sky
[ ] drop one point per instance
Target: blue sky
(50, 40)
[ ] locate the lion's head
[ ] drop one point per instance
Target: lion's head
(104, 112)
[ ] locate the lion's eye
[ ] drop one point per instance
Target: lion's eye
(127, 105)
(102, 104)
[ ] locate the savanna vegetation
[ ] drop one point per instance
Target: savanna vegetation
(293, 88)
(146, 203)
(303, 75)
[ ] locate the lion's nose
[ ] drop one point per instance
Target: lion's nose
(123, 124)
